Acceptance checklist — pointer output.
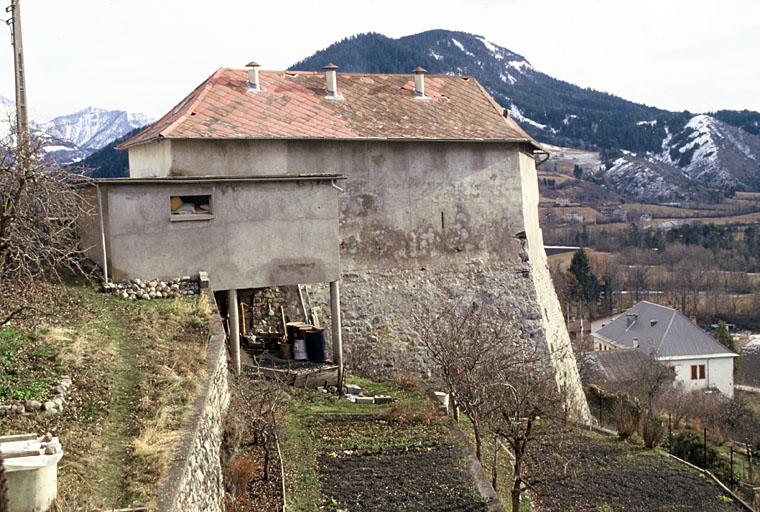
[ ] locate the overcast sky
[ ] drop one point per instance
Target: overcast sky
(144, 56)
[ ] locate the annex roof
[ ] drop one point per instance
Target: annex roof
(293, 105)
(616, 365)
(662, 330)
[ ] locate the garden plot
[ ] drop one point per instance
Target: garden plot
(345, 456)
(610, 475)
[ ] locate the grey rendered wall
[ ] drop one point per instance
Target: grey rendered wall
(419, 221)
(261, 234)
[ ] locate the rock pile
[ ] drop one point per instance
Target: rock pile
(154, 289)
(52, 405)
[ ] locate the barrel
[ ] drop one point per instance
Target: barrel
(315, 345)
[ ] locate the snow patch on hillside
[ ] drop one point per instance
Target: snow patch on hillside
(461, 47)
(507, 78)
(435, 55)
(495, 50)
(519, 65)
(515, 113)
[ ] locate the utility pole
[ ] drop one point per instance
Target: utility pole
(22, 116)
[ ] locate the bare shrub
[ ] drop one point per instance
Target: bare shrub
(238, 474)
(626, 413)
(412, 414)
(40, 210)
(652, 430)
(405, 381)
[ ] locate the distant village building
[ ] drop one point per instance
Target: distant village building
(244, 178)
(696, 358)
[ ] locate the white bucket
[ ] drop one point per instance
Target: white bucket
(299, 350)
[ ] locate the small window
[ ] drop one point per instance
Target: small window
(191, 207)
(697, 372)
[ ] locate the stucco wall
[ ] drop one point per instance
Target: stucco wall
(194, 482)
(294, 223)
(150, 160)
(418, 220)
(719, 373)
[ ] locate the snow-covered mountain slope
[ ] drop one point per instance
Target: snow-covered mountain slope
(715, 154)
(650, 180)
(70, 138)
(93, 128)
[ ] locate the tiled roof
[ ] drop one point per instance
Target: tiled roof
(292, 105)
(662, 330)
(616, 365)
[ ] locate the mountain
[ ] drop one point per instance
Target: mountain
(92, 128)
(684, 150)
(715, 154)
(109, 162)
(73, 137)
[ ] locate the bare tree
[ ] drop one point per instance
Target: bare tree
(500, 378)
(527, 413)
(40, 209)
(462, 340)
(652, 379)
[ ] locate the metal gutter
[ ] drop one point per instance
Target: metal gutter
(173, 180)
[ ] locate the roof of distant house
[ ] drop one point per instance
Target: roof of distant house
(293, 105)
(661, 330)
(616, 365)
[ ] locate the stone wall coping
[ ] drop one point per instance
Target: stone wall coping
(217, 347)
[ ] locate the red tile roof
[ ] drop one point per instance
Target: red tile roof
(292, 105)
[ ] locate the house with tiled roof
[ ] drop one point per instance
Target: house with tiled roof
(696, 358)
(398, 186)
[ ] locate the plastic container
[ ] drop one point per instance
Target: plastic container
(299, 350)
(31, 465)
(315, 345)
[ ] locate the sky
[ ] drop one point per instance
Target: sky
(145, 56)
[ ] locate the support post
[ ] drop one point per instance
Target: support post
(102, 235)
(232, 311)
(337, 336)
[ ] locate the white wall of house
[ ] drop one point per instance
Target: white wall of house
(718, 373)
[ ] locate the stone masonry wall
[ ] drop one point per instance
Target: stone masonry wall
(194, 482)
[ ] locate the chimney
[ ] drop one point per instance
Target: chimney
(635, 343)
(331, 80)
(419, 81)
(253, 76)
(652, 323)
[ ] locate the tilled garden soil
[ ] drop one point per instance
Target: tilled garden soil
(424, 479)
(606, 474)
(414, 467)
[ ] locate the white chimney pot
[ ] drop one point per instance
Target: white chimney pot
(253, 77)
(331, 82)
(419, 82)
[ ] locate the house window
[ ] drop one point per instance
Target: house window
(697, 372)
(195, 207)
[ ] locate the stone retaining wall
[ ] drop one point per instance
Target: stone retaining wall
(194, 481)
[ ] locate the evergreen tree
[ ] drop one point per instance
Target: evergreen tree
(578, 172)
(724, 337)
(588, 288)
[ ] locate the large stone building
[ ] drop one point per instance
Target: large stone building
(440, 198)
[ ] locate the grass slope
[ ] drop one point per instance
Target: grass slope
(135, 369)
